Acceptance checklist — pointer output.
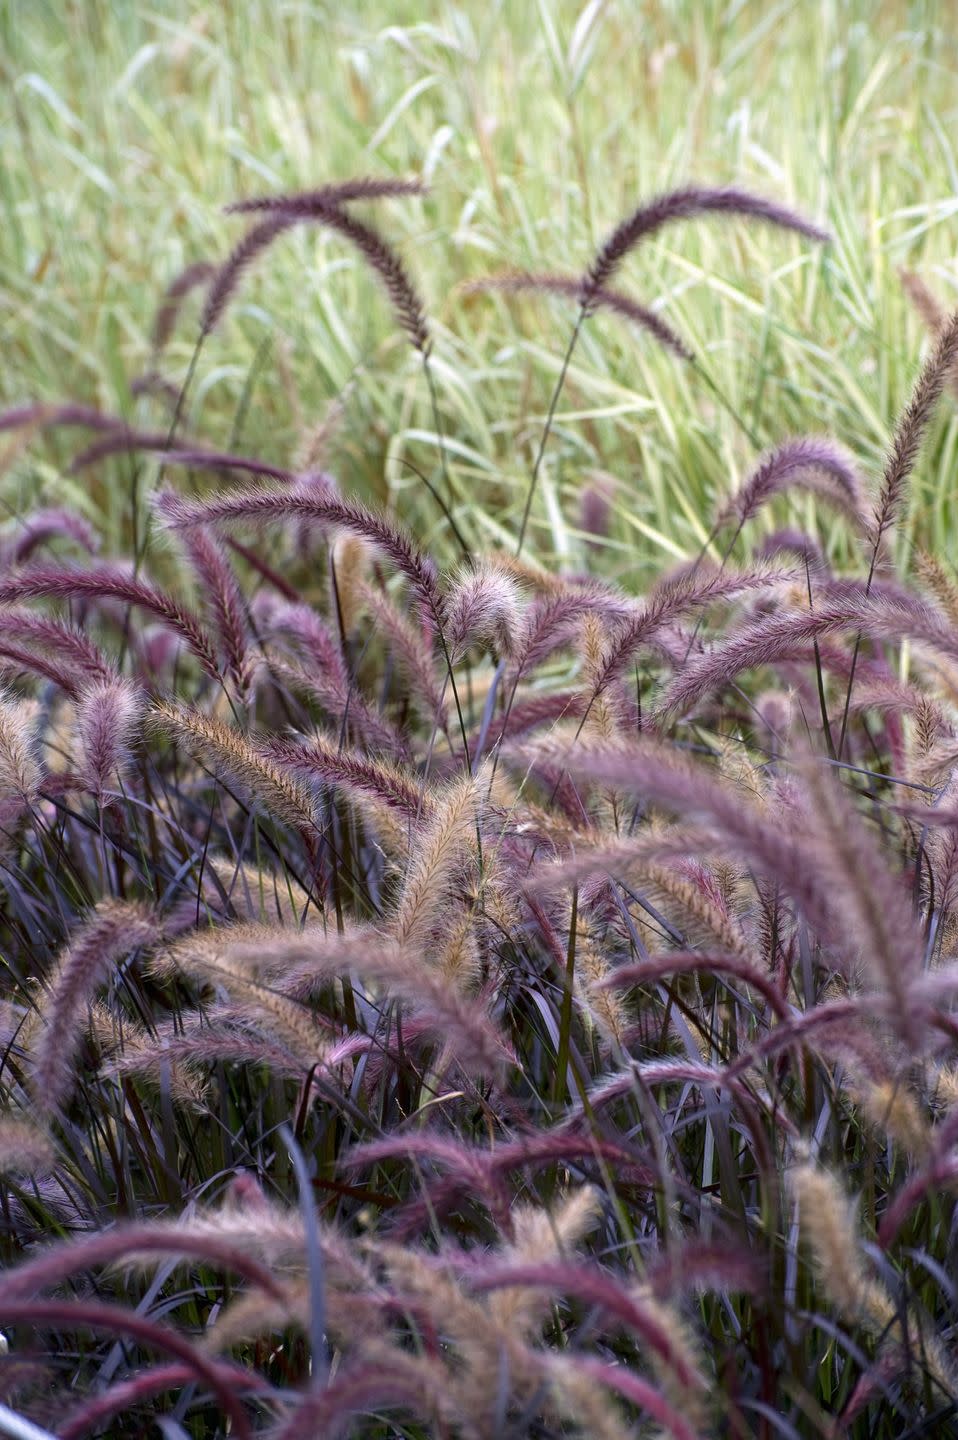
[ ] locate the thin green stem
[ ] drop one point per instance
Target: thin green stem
(573, 340)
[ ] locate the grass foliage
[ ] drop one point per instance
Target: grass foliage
(448, 991)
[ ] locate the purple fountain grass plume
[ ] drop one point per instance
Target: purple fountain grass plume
(885, 615)
(343, 703)
(58, 1261)
(311, 637)
(306, 962)
(686, 204)
(322, 760)
(227, 277)
(191, 457)
(595, 505)
(661, 775)
(844, 1026)
(40, 414)
(116, 1320)
(308, 202)
(383, 259)
(15, 659)
(935, 578)
(249, 762)
(668, 1072)
(101, 582)
(441, 847)
(923, 300)
(19, 767)
(600, 1290)
(25, 1149)
(43, 525)
(119, 442)
(70, 645)
(910, 431)
(701, 1265)
(635, 1390)
(931, 312)
(830, 1226)
(529, 715)
(116, 929)
(377, 253)
(600, 854)
(108, 715)
(177, 1058)
(649, 972)
(691, 590)
(552, 621)
(91, 1415)
(937, 1175)
(412, 653)
(200, 272)
(384, 1380)
(482, 607)
(223, 601)
(811, 462)
(469, 1165)
(599, 299)
(487, 1165)
(264, 505)
(327, 681)
(794, 542)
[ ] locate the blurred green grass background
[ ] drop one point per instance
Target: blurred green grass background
(127, 126)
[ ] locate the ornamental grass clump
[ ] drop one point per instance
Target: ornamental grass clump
(475, 999)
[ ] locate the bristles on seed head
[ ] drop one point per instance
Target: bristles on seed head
(107, 717)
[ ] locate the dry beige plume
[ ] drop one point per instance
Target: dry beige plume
(224, 749)
(19, 767)
(828, 1223)
(349, 560)
(24, 1148)
(603, 1007)
(441, 847)
(263, 895)
(890, 1105)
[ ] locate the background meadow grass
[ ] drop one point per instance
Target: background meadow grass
(125, 129)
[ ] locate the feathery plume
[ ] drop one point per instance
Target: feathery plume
(262, 505)
(226, 279)
(308, 202)
(689, 590)
(107, 717)
(116, 929)
(199, 273)
(412, 652)
(911, 427)
(62, 582)
(43, 525)
(439, 850)
(24, 1148)
(812, 463)
(19, 767)
(923, 300)
(598, 299)
(482, 607)
(685, 204)
(223, 600)
(224, 748)
(383, 259)
(319, 759)
(871, 902)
